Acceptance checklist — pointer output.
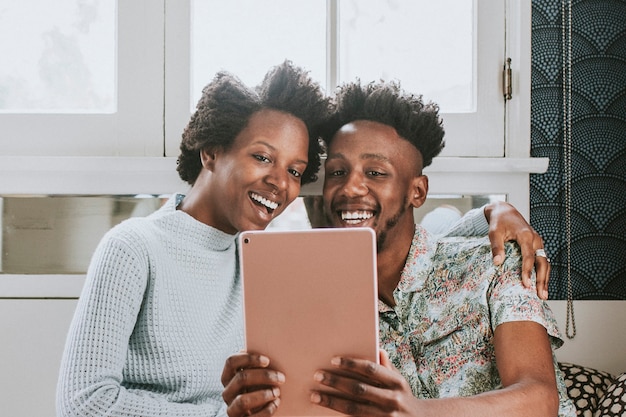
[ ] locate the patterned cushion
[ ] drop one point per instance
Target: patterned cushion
(585, 386)
(614, 401)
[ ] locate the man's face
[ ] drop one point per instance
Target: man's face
(370, 179)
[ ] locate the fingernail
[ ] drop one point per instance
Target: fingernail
(264, 360)
(497, 259)
(336, 361)
(280, 377)
(276, 392)
(315, 398)
(544, 294)
(318, 376)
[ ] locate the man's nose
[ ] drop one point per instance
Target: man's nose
(355, 185)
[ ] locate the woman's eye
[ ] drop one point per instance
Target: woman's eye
(261, 158)
(295, 173)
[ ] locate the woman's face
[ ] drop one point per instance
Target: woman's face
(259, 176)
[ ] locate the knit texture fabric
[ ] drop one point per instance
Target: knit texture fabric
(473, 223)
(159, 314)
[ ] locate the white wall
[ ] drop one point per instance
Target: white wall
(32, 340)
(600, 340)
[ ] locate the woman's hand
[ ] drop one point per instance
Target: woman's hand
(251, 387)
(507, 224)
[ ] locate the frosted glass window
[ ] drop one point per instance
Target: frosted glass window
(58, 56)
(247, 37)
(58, 234)
(427, 45)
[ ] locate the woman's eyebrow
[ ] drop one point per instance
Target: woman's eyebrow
(273, 148)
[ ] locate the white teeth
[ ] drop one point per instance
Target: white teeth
(356, 215)
(267, 203)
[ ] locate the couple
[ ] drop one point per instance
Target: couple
(160, 313)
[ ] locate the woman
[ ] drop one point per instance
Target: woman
(161, 308)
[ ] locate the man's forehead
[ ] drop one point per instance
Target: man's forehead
(357, 125)
(374, 141)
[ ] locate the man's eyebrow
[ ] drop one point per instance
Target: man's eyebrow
(375, 156)
(336, 155)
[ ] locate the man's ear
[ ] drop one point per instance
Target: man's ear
(419, 191)
(208, 156)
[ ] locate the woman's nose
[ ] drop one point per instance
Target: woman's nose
(278, 178)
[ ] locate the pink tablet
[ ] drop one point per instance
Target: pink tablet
(308, 296)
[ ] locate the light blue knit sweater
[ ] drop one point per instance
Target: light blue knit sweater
(158, 316)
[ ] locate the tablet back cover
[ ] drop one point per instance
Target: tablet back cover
(309, 296)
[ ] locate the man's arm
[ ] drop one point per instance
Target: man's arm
(524, 360)
(503, 223)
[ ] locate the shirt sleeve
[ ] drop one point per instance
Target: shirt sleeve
(473, 223)
(91, 374)
(510, 301)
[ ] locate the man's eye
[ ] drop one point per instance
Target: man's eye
(337, 173)
(375, 174)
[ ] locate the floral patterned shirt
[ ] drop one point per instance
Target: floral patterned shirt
(449, 301)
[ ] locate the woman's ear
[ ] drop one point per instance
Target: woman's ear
(419, 190)
(208, 157)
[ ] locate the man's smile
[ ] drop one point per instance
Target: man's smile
(355, 217)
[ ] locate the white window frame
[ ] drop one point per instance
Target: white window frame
(475, 134)
(480, 134)
(135, 129)
(140, 167)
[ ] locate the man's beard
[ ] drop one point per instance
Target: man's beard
(390, 224)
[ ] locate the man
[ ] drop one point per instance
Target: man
(382, 196)
(446, 312)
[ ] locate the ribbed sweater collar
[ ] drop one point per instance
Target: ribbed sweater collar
(194, 230)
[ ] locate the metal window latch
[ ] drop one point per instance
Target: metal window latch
(507, 83)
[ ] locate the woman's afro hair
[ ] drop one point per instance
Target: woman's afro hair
(227, 104)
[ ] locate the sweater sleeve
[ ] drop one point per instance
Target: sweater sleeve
(473, 223)
(91, 374)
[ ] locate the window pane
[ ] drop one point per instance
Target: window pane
(247, 37)
(427, 45)
(61, 57)
(58, 234)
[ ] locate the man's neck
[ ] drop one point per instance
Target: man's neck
(391, 260)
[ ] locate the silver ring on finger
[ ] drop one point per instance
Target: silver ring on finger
(542, 253)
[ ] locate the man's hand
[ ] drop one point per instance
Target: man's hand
(507, 224)
(365, 388)
(251, 387)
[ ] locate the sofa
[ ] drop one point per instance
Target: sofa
(595, 393)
